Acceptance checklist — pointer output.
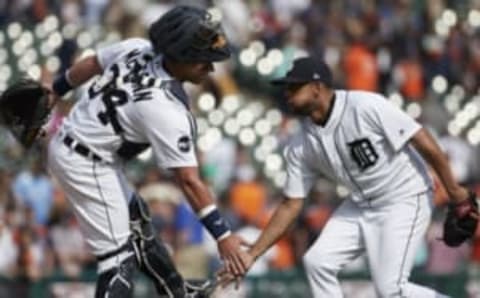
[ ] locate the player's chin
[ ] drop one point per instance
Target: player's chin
(198, 79)
(299, 111)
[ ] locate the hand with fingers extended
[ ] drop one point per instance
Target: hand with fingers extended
(232, 254)
(226, 275)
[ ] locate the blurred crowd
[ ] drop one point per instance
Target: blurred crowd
(423, 55)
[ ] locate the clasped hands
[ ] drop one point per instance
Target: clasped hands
(237, 260)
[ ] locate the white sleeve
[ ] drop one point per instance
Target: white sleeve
(397, 127)
(169, 130)
(300, 178)
(109, 54)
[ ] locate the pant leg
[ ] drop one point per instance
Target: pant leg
(392, 236)
(339, 243)
(98, 195)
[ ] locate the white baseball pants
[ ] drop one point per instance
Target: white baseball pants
(98, 194)
(388, 232)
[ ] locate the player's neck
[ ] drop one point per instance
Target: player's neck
(324, 108)
(171, 70)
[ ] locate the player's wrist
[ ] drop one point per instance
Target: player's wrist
(62, 84)
(224, 236)
(214, 222)
(254, 253)
(458, 195)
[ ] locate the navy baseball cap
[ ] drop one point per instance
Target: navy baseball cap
(306, 70)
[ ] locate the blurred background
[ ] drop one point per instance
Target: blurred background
(424, 56)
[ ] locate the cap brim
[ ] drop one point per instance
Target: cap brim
(286, 81)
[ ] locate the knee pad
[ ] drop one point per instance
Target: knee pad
(117, 282)
(151, 253)
(157, 264)
(140, 220)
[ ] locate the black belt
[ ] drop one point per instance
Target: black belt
(115, 252)
(80, 149)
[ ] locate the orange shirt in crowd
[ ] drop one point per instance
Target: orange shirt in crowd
(284, 258)
(316, 217)
(361, 70)
(412, 86)
(248, 200)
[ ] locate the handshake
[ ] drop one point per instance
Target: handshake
(238, 257)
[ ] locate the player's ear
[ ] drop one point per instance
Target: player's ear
(317, 88)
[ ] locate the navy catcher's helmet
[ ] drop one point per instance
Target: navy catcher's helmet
(188, 34)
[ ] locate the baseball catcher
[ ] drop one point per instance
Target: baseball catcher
(135, 101)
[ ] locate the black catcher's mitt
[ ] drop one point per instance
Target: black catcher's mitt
(24, 109)
(461, 221)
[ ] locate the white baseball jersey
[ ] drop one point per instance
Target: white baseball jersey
(153, 111)
(134, 104)
(363, 146)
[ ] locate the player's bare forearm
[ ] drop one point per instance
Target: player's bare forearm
(84, 70)
(76, 75)
(201, 200)
(431, 152)
(281, 220)
(197, 193)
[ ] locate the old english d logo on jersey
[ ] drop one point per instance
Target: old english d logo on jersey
(363, 153)
(184, 144)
